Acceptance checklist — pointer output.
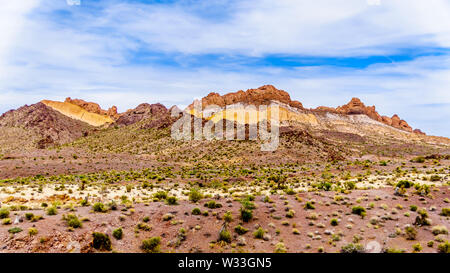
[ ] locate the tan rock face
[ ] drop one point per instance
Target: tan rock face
(260, 96)
(94, 108)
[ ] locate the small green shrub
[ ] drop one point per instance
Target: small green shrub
(160, 195)
(358, 210)
(246, 214)
(410, 232)
(225, 236)
(118, 233)
(352, 248)
(4, 213)
(29, 215)
(445, 212)
(73, 221)
(259, 233)
(172, 200)
(228, 216)
(15, 230)
(213, 205)
(334, 222)
(240, 230)
(99, 207)
(195, 195)
(444, 247)
(196, 211)
(309, 205)
(52, 211)
(101, 241)
(151, 245)
(32, 231)
(405, 184)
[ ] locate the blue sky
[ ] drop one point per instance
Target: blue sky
(395, 54)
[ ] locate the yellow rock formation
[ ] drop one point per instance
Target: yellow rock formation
(76, 112)
(252, 115)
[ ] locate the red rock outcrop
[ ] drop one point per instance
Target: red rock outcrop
(94, 108)
(260, 96)
(356, 107)
(151, 115)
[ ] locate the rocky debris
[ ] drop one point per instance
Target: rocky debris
(260, 96)
(241, 241)
(94, 108)
(51, 126)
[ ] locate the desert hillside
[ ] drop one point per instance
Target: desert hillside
(340, 180)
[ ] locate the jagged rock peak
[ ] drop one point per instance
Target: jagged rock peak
(260, 96)
(357, 107)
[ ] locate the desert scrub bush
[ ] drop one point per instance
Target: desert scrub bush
(404, 184)
(417, 247)
(160, 195)
(225, 236)
(101, 241)
(240, 230)
(309, 205)
(290, 214)
(195, 195)
(246, 214)
(393, 250)
(334, 222)
(172, 200)
(32, 231)
(436, 230)
(212, 205)
(259, 233)
(445, 212)
(280, 248)
(435, 178)
(358, 210)
(29, 215)
(99, 207)
(444, 247)
(144, 226)
(151, 245)
(4, 213)
(196, 211)
(422, 218)
(410, 232)
(419, 159)
(118, 233)
(228, 217)
(352, 248)
(168, 216)
(72, 220)
(14, 230)
(52, 211)
(6, 221)
(413, 208)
